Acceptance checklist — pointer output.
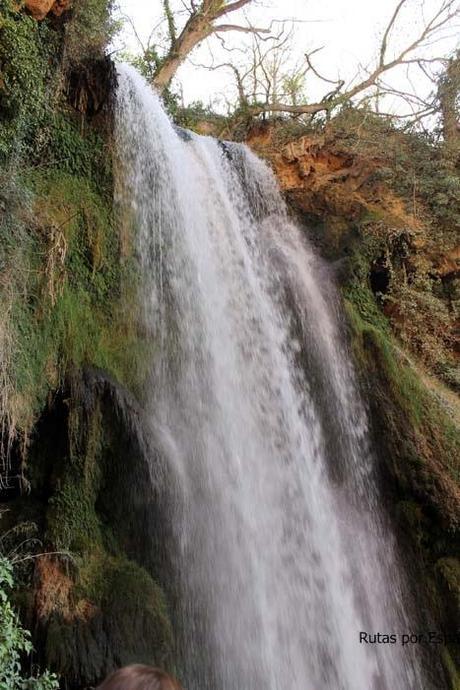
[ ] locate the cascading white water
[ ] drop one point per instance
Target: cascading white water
(281, 556)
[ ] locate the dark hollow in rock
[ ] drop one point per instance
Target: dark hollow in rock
(379, 276)
(91, 85)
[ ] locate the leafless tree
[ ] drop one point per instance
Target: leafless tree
(442, 17)
(263, 70)
(268, 83)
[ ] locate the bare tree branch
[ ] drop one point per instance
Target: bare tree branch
(239, 78)
(310, 66)
(384, 44)
(442, 17)
(267, 81)
(235, 27)
(226, 9)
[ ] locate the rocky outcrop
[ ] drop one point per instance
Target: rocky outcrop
(322, 177)
(39, 9)
(90, 87)
(96, 601)
(326, 179)
(348, 193)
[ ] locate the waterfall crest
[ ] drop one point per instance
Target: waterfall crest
(280, 553)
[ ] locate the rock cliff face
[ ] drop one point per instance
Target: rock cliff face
(323, 176)
(73, 455)
(348, 191)
(96, 605)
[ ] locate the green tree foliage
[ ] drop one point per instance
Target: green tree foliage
(90, 30)
(28, 53)
(15, 642)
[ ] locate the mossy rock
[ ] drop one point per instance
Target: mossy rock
(101, 605)
(451, 668)
(448, 572)
(418, 446)
(420, 441)
(119, 616)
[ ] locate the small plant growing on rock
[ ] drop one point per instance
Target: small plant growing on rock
(15, 642)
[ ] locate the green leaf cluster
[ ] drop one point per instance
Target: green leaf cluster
(15, 642)
(28, 55)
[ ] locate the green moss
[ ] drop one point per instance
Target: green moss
(363, 310)
(414, 407)
(94, 315)
(419, 445)
(72, 299)
(125, 621)
(122, 588)
(72, 521)
(403, 383)
(115, 593)
(69, 300)
(449, 569)
(451, 670)
(410, 516)
(76, 149)
(131, 594)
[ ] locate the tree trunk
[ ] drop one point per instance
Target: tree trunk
(198, 27)
(448, 93)
(196, 30)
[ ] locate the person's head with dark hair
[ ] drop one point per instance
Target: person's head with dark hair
(139, 677)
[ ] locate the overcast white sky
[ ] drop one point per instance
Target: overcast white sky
(349, 30)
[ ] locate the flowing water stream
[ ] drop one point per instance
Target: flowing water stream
(280, 554)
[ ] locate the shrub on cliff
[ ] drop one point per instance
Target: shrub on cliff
(15, 642)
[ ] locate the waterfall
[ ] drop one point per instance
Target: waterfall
(280, 553)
